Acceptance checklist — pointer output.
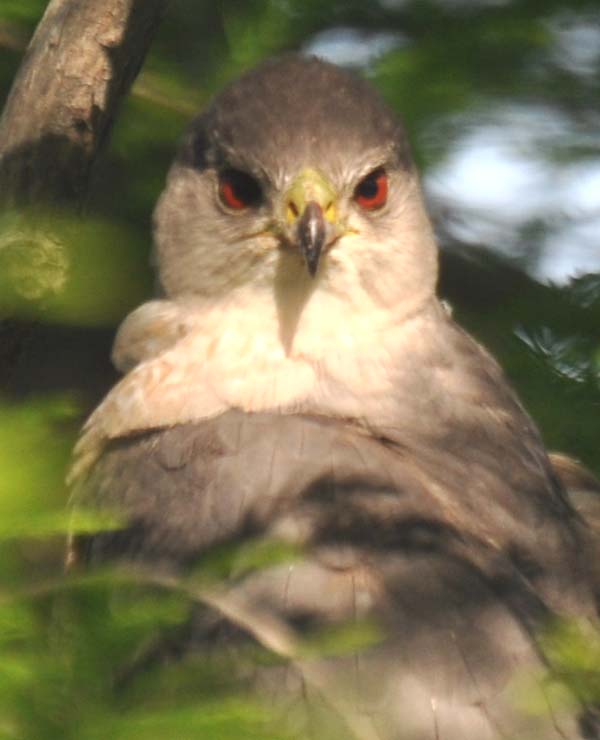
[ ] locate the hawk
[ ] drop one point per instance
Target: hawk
(298, 380)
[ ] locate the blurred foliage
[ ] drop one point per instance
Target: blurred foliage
(59, 268)
(32, 488)
(233, 562)
(60, 643)
(454, 61)
(573, 650)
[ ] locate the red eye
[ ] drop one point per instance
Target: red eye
(238, 190)
(372, 191)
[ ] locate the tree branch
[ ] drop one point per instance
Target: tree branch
(79, 64)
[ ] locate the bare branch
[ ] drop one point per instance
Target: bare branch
(79, 64)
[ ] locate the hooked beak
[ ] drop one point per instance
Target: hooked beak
(311, 216)
(311, 234)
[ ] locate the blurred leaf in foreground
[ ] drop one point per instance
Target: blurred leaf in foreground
(35, 447)
(59, 268)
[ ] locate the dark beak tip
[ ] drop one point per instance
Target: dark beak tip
(311, 231)
(312, 265)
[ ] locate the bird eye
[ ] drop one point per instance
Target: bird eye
(238, 190)
(372, 191)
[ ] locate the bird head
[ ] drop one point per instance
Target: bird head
(297, 180)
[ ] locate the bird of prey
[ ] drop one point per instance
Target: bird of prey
(298, 380)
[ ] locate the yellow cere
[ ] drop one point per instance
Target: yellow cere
(310, 185)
